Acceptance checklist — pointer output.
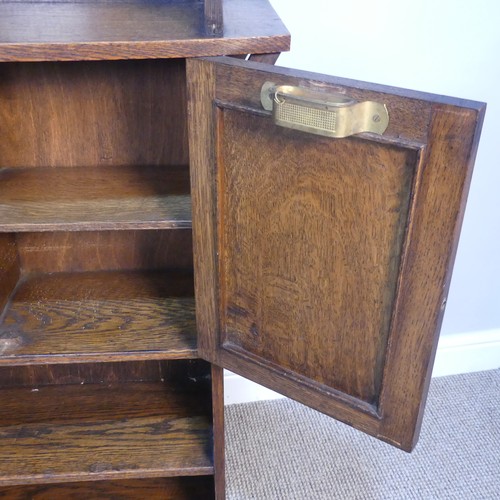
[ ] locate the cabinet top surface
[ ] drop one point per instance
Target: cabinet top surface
(133, 29)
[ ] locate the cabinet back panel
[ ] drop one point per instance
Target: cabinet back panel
(105, 250)
(93, 113)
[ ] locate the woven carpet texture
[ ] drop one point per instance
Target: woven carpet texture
(282, 450)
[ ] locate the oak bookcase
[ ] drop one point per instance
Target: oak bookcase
(320, 266)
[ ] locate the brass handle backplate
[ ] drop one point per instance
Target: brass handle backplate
(323, 114)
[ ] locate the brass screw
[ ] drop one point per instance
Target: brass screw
(376, 118)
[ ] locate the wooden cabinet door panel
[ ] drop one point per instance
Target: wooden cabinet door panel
(322, 265)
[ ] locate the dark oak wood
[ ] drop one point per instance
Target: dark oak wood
(201, 93)
(322, 265)
(344, 237)
(85, 114)
(218, 430)
(214, 21)
(88, 432)
(433, 234)
(80, 198)
(9, 267)
(96, 247)
(96, 402)
(52, 252)
(45, 30)
(172, 488)
(182, 373)
(99, 316)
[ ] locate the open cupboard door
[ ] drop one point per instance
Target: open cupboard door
(326, 215)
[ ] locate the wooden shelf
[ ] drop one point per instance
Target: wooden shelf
(94, 198)
(134, 29)
(99, 316)
(171, 488)
(66, 433)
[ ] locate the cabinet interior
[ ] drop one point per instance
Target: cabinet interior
(98, 355)
(77, 297)
(96, 215)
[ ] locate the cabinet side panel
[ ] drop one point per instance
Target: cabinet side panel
(93, 114)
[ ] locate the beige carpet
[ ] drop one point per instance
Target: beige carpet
(283, 450)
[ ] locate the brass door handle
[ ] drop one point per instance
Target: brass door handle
(319, 113)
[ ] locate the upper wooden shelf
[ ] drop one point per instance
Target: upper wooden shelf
(94, 198)
(134, 29)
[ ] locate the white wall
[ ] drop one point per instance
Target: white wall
(449, 47)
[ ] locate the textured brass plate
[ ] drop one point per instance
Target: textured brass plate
(322, 114)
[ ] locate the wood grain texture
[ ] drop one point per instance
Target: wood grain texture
(81, 114)
(133, 29)
(201, 94)
(218, 426)
(437, 214)
(90, 432)
(395, 202)
(172, 488)
(74, 251)
(180, 372)
(95, 402)
(94, 198)
(101, 316)
(9, 267)
(309, 273)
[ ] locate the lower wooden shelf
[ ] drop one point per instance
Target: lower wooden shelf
(72, 433)
(99, 316)
(172, 488)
